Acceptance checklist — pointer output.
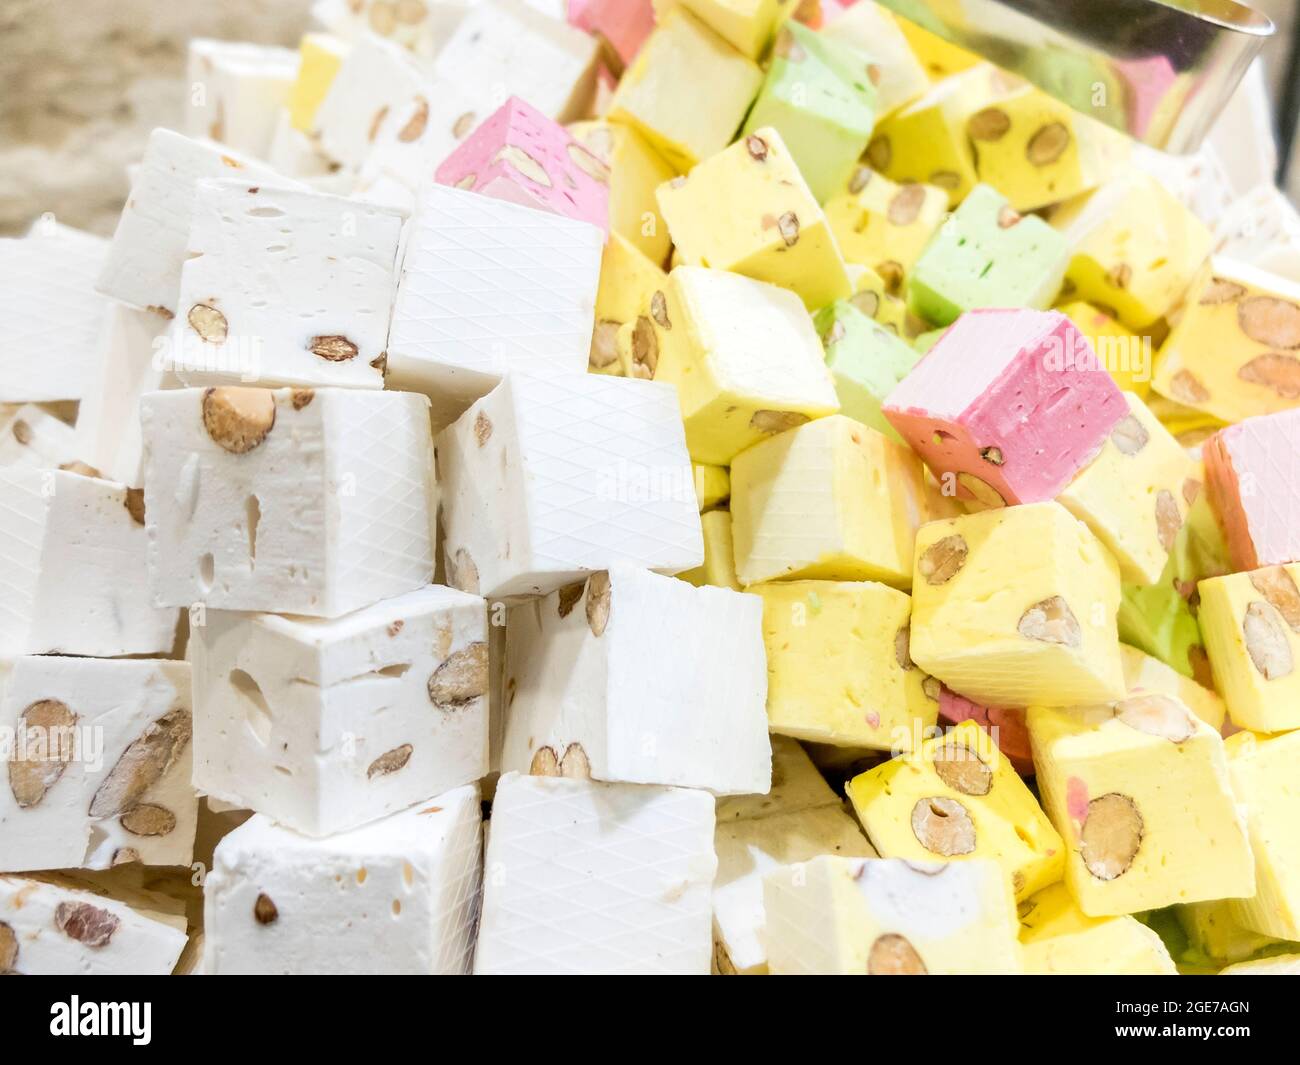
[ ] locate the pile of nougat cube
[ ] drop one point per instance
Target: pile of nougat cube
(735, 486)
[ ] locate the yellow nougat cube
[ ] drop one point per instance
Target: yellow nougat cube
(628, 282)
(1189, 426)
(1212, 928)
(1037, 151)
(872, 297)
(319, 59)
(1059, 939)
(746, 25)
(940, 58)
(748, 209)
(1134, 248)
(719, 566)
(1017, 606)
(879, 917)
(885, 226)
(958, 797)
(1264, 779)
(712, 485)
(1142, 673)
(1232, 353)
(744, 357)
(659, 94)
(1279, 965)
(1127, 357)
(635, 172)
(830, 500)
(1132, 494)
(1251, 626)
(1140, 791)
(838, 668)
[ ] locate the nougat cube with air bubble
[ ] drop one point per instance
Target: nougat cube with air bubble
(74, 556)
(1059, 939)
(1231, 352)
(1009, 404)
(1126, 356)
(885, 917)
(957, 797)
(866, 361)
(1263, 779)
(657, 94)
(1253, 475)
(396, 897)
(55, 925)
(327, 724)
(1016, 607)
(297, 501)
(883, 225)
(149, 247)
(1251, 625)
(628, 282)
(869, 693)
(773, 230)
(99, 771)
(593, 690)
(819, 95)
(323, 323)
(520, 155)
(545, 481)
(634, 170)
(1144, 673)
(593, 878)
(829, 500)
(719, 566)
(1133, 248)
(743, 355)
(986, 255)
(1139, 790)
(1131, 494)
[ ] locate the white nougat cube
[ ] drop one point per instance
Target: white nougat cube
(285, 287)
(324, 725)
(73, 568)
(399, 896)
(51, 312)
(657, 681)
(294, 501)
(99, 764)
(57, 926)
(1262, 228)
(32, 436)
(547, 480)
(593, 879)
(143, 267)
(236, 91)
(488, 287)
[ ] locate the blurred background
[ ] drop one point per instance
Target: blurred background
(83, 81)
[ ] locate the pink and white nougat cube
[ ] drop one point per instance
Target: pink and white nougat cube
(520, 155)
(1012, 403)
(1253, 471)
(625, 24)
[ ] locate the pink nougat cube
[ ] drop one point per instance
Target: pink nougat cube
(1006, 725)
(520, 155)
(1008, 406)
(1253, 472)
(625, 24)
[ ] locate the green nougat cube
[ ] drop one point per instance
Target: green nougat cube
(819, 96)
(866, 361)
(987, 255)
(1156, 619)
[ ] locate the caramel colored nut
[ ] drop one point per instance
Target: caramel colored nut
(893, 955)
(8, 948)
(301, 397)
(143, 764)
(931, 688)
(46, 753)
(463, 572)
(599, 594)
(238, 419)
(981, 490)
(1119, 275)
(416, 124)
(905, 206)
(133, 500)
(903, 648)
(1266, 642)
(942, 560)
(376, 122)
(482, 428)
(264, 910)
(867, 302)
(1051, 621)
(834, 334)
(1008, 216)
(81, 469)
(1110, 836)
(124, 856)
(383, 17)
(462, 125)
(946, 179)
(1168, 518)
(389, 761)
(880, 153)
(756, 146)
(1157, 715)
(461, 679)
(1048, 144)
(992, 455)
(604, 344)
(1130, 435)
(22, 431)
(1276, 585)
(860, 179)
(521, 161)
(569, 596)
(91, 926)
(1187, 388)
(962, 769)
(892, 274)
(788, 224)
(659, 310)
(574, 764)
(1279, 372)
(148, 819)
(776, 421)
(333, 348)
(1270, 321)
(209, 323)
(589, 163)
(544, 763)
(645, 349)
(942, 826)
(991, 124)
(1220, 290)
